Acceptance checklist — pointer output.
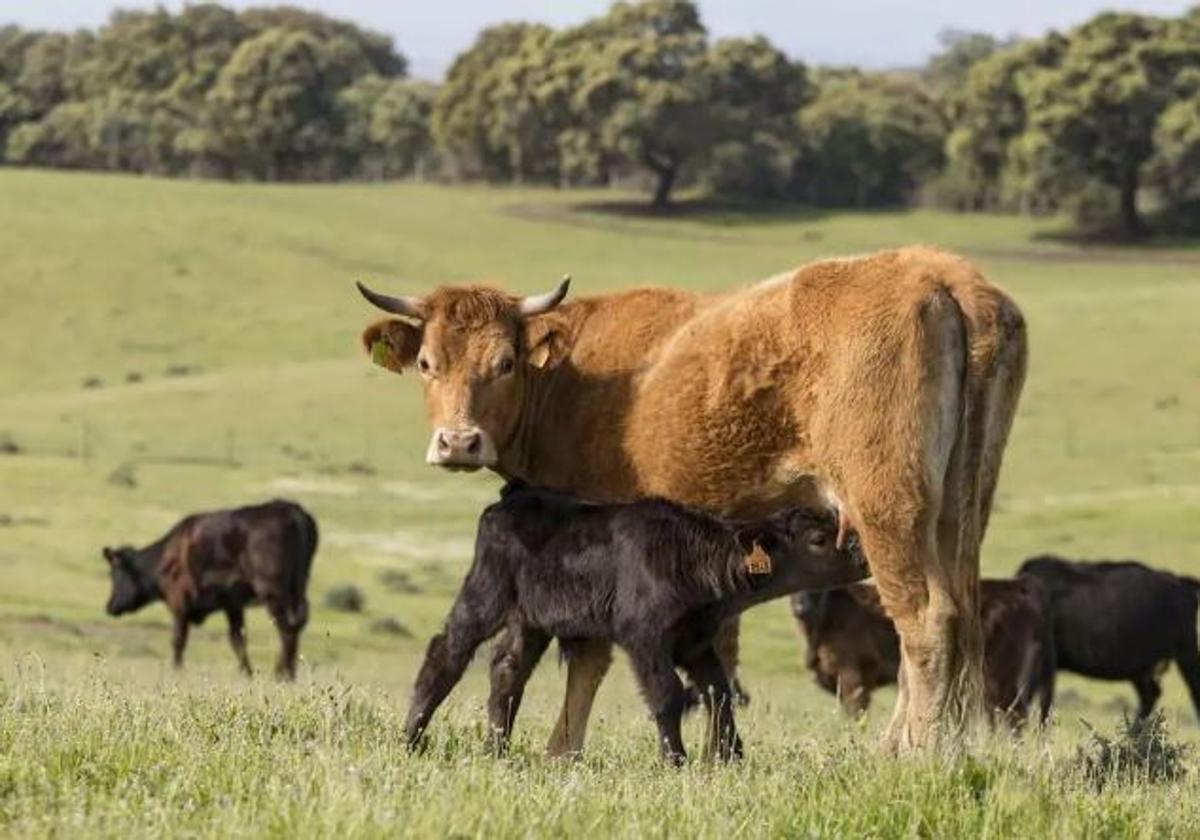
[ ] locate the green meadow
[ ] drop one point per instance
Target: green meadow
(172, 346)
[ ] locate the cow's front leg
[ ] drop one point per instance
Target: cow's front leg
(585, 671)
(237, 637)
(179, 639)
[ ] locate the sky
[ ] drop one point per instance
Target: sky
(870, 33)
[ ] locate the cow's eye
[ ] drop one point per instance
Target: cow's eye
(506, 366)
(818, 540)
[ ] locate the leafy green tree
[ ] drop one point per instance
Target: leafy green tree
(1096, 111)
(870, 139)
(386, 125)
(961, 50)
(987, 113)
(754, 93)
(273, 105)
(487, 114)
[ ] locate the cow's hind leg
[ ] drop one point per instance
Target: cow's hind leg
(237, 637)
(911, 486)
(516, 655)
(179, 637)
(1188, 660)
(586, 667)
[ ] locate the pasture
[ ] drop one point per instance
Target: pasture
(175, 346)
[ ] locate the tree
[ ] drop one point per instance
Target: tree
(961, 50)
(386, 125)
(1097, 109)
(643, 88)
(988, 112)
(754, 94)
(870, 140)
(272, 108)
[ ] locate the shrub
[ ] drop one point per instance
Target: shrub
(1142, 752)
(346, 598)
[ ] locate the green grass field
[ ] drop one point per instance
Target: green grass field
(173, 346)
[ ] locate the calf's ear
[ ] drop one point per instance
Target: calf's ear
(392, 343)
(545, 341)
(109, 555)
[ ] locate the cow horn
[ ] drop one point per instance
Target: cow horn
(537, 304)
(410, 307)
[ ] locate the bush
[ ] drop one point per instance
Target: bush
(1142, 752)
(390, 627)
(399, 581)
(347, 598)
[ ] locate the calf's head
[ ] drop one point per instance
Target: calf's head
(475, 350)
(801, 551)
(131, 588)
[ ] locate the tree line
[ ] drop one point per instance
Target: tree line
(1102, 121)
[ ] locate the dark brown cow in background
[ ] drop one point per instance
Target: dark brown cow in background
(883, 385)
(853, 648)
(224, 560)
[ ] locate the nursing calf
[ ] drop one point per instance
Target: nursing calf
(853, 647)
(224, 560)
(654, 577)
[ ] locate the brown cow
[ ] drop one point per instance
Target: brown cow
(884, 385)
(853, 648)
(224, 560)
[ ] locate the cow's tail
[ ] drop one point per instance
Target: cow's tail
(994, 372)
(304, 547)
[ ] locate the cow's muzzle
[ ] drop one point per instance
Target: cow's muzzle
(461, 449)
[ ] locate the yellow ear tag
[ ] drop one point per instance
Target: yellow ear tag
(381, 354)
(758, 562)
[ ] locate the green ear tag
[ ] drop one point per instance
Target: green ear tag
(381, 354)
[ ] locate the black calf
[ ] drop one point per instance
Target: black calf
(654, 577)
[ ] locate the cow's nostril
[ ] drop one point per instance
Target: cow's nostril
(443, 445)
(473, 444)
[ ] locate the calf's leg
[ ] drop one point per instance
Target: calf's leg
(516, 655)
(585, 671)
(237, 637)
(1148, 692)
(477, 614)
(179, 639)
(665, 696)
(1188, 661)
(726, 645)
(706, 671)
(289, 623)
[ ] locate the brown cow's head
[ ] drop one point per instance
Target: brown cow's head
(474, 349)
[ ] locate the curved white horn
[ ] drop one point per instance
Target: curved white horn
(408, 306)
(537, 304)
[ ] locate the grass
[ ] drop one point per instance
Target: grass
(221, 323)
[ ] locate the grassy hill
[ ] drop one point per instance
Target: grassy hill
(173, 346)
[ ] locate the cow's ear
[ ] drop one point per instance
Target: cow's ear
(109, 555)
(545, 341)
(392, 343)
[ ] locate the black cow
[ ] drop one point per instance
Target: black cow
(1122, 621)
(652, 576)
(224, 560)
